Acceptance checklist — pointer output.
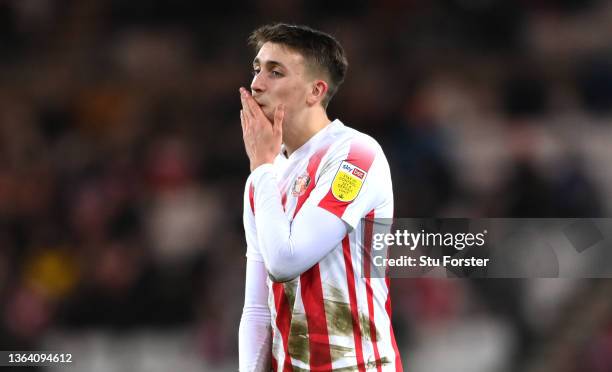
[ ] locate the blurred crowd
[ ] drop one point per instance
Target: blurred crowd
(122, 165)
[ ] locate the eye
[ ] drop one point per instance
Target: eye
(276, 73)
(255, 71)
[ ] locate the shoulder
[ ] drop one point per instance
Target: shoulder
(355, 144)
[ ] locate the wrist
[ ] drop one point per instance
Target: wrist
(256, 164)
(260, 172)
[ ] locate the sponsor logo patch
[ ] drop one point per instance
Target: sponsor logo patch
(358, 173)
(348, 182)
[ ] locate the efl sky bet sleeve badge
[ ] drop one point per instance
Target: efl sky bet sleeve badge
(348, 181)
(300, 185)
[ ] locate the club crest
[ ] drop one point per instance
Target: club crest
(300, 185)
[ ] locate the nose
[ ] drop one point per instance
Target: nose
(258, 84)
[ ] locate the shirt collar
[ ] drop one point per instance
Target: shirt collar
(313, 140)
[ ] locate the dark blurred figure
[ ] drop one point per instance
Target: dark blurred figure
(419, 159)
(528, 191)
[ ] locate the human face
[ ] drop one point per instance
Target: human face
(279, 76)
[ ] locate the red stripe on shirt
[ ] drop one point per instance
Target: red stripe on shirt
(367, 246)
(283, 321)
(350, 280)
(312, 288)
(398, 361)
(313, 165)
(252, 197)
(314, 306)
(360, 155)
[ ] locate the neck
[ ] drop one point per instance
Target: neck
(302, 128)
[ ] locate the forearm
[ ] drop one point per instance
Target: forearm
(290, 248)
(273, 227)
(254, 334)
(254, 340)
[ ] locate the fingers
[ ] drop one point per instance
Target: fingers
(262, 139)
(245, 106)
(243, 123)
(279, 114)
(250, 105)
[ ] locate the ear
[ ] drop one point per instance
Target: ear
(318, 91)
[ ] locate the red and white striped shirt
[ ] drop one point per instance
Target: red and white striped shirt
(333, 315)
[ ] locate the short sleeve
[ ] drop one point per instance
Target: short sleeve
(350, 183)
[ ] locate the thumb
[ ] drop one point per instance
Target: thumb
(279, 114)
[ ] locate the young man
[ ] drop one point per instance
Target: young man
(308, 304)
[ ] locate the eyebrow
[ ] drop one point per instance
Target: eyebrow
(270, 64)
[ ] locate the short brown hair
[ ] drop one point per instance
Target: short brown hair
(319, 49)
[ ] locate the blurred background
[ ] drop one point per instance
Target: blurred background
(122, 170)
